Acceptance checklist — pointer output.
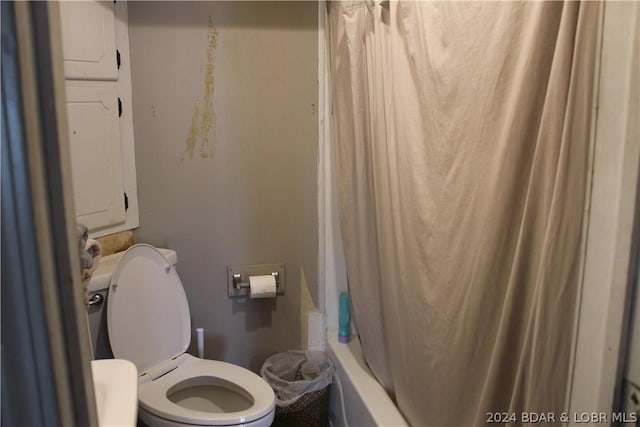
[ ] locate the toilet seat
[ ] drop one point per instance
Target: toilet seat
(149, 324)
(154, 395)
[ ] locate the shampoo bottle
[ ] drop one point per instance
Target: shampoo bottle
(344, 321)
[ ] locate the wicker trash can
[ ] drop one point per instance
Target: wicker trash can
(301, 381)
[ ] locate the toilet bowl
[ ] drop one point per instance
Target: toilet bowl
(148, 321)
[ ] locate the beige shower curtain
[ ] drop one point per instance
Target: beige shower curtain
(462, 146)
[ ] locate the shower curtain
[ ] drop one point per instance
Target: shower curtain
(461, 155)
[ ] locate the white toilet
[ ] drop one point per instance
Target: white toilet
(149, 324)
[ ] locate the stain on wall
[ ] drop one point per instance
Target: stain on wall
(203, 120)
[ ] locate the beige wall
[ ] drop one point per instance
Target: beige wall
(225, 126)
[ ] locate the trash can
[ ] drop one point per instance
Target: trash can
(300, 380)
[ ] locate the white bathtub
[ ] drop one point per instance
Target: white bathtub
(355, 389)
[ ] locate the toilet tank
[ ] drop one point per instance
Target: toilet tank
(99, 285)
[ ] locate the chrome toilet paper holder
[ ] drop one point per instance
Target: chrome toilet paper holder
(238, 277)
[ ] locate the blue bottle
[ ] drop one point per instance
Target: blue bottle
(344, 321)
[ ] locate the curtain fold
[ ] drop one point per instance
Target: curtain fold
(461, 153)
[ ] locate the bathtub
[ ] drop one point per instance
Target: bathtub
(355, 389)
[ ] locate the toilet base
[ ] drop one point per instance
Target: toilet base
(151, 420)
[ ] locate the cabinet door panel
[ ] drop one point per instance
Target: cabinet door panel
(88, 40)
(96, 159)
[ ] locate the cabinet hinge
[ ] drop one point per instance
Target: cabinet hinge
(118, 58)
(126, 202)
(119, 107)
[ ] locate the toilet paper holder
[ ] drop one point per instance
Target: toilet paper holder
(238, 284)
(238, 277)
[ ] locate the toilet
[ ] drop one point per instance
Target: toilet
(148, 322)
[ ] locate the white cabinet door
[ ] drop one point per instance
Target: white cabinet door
(88, 40)
(96, 160)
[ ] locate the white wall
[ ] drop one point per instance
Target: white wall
(633, 133)
(333, 271)
(611, 216)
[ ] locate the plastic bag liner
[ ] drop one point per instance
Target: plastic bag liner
(295, 373)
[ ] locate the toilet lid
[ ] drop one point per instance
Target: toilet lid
(148, 315)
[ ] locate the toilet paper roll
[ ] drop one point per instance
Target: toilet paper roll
(262, 286)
